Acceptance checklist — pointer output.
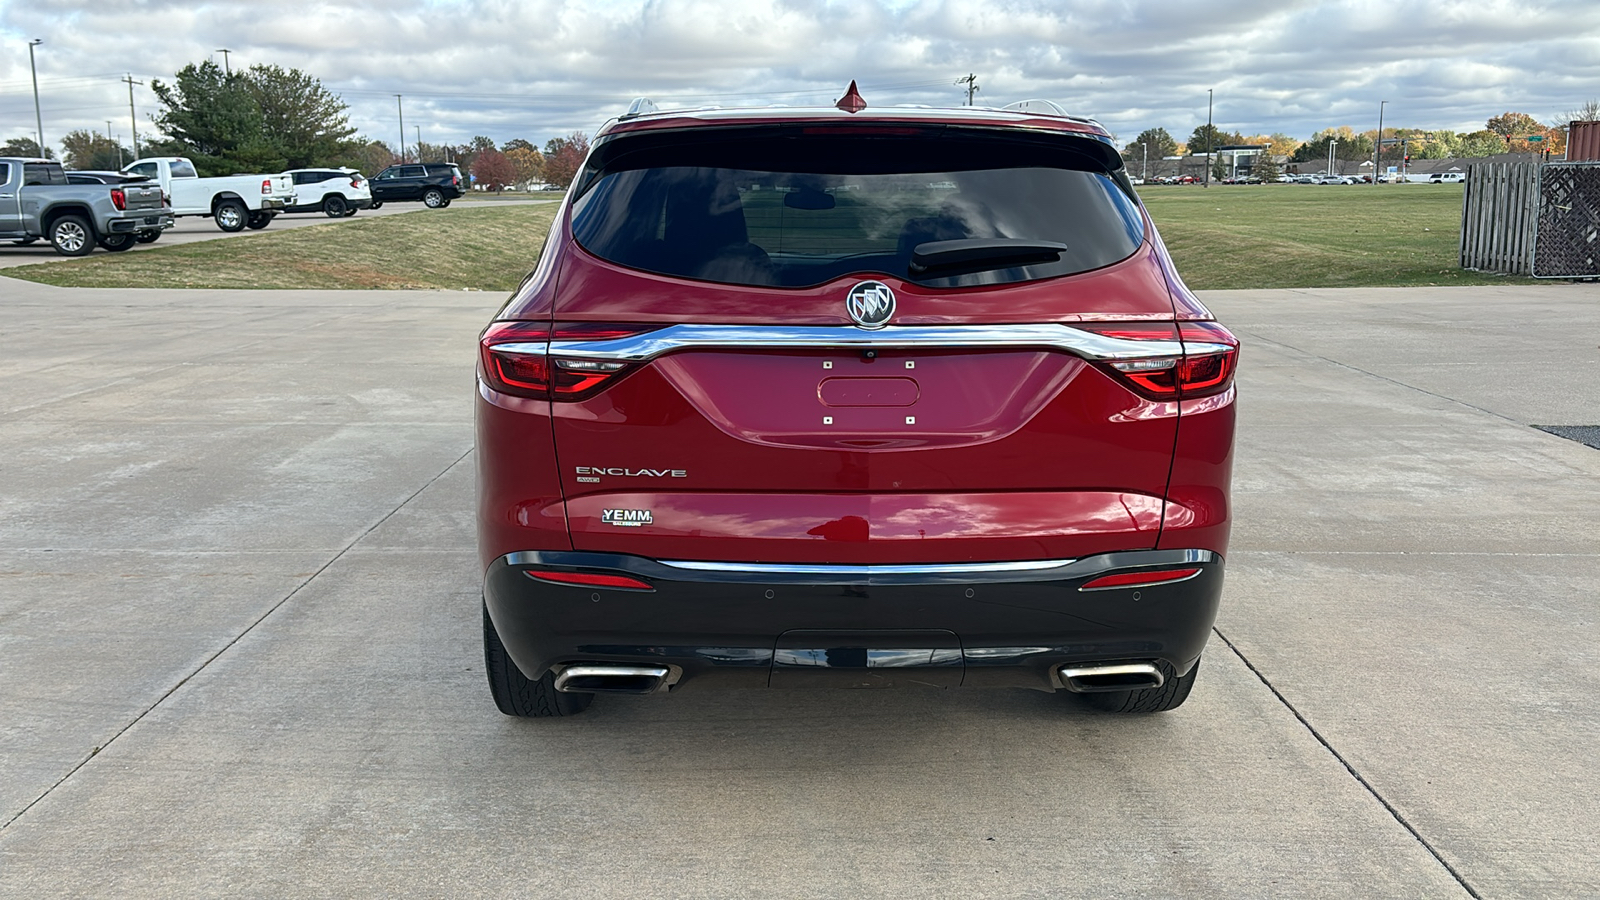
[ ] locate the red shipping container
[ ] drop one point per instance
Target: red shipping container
(1583, 142)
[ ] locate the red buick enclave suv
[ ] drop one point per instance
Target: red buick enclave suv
(857, 397)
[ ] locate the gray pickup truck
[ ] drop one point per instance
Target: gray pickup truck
(36, 201)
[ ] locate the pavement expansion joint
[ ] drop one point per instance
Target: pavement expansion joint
(1360, 779)
(95, 751)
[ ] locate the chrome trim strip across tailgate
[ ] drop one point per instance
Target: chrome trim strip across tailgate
(1035, 565)
(651, 344)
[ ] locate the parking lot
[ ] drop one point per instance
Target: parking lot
(192, 229)
(239, 639)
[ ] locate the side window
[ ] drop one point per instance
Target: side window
(385, 175)
(5, 173)
(148, 170)
(43, 173)
(183, 169)
(304, 178)
(413, 172)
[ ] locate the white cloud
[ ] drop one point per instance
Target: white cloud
(538, 68)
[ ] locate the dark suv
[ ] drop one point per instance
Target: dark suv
(852, 397)
(435, 184)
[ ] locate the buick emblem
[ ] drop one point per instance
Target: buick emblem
(871, 304)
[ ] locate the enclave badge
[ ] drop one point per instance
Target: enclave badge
(870, 304)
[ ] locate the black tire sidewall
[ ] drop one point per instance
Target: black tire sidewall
(433, 192)
(333, 206)
(117, 243)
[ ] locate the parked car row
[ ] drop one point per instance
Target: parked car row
(77, 211)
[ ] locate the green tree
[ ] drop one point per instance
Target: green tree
(1513, 124)
(304, 122)
(215, 120)
(24, 146)
(88, 150)
(1347, 145)
(1265, 168)
(1152, 143)
(1479, 144)
(1199, 143)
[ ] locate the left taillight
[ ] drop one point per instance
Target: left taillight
(1199, 358)
(266, 185)
(119, 198)
(515, 359)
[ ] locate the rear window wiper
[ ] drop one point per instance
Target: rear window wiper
(983, 253)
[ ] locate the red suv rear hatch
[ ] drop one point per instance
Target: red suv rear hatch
(716, 400)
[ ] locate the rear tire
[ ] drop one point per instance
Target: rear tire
(1169, 696)
(433, 198)
(259, 220)
(231, 216)
(334, 207)
(117, 243)
(517, 695)
(148, 237)
(72, 236)
(376, 204)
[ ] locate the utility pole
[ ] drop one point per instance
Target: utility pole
(399, 104)
(1211, 136)
(38, 120)
(133, 119)
(112, 138)
(419, 143)
(226, 71)
(1377, 146)
(971, 81)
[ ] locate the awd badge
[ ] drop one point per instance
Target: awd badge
(626, 518)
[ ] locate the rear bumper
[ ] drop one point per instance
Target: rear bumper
(996, 625)
(150, 222)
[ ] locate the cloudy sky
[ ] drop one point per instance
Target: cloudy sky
(539, 68)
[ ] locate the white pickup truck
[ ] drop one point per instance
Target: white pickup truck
(235, 201)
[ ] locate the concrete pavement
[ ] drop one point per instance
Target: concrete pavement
(239, 646)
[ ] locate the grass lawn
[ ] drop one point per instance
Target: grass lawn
(489, 248)
(1307, 235)
(1223, 237)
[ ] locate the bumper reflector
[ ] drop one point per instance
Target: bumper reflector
(588, 579)
(1139, 579)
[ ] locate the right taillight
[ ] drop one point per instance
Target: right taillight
(515, 359)
(119, 199)
(1198, 358)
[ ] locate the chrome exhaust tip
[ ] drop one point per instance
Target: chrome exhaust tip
(611, 679)
(1120, 677)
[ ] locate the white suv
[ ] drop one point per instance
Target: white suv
(334, 192)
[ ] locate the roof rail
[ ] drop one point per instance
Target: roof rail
(641, 106)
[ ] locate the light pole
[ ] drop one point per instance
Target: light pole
(38, 120)
(1144, 173)
(1210, 136)
(1377, 146)
(227, 71)
(1332, 143)
(113, 140)
(399, 104)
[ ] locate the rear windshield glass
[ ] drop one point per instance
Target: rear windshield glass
(801, 211)
(182, 168)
